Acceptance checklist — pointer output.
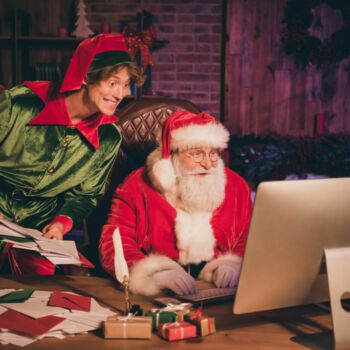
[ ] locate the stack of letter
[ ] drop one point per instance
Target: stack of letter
(58, 252)
(29, 315)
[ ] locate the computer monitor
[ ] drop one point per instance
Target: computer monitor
(292, 223)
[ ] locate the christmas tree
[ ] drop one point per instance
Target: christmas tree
(82, 29)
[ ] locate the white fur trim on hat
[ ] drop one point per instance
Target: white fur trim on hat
(195, 237)
(226, 259)
(196, 135)
(142, 279)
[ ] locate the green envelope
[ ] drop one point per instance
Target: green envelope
(18, 296)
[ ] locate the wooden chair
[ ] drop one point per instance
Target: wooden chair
(140, 121)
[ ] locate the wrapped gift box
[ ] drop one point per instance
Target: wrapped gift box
(180, 309)
(127, 327)
(177, 331)
(181, 314)
(205, 324)
(159, 317)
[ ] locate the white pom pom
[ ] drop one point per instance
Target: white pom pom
(164, 172)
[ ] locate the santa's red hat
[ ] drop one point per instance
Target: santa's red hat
(93, 54)
(184, 130)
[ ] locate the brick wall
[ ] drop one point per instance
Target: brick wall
(188, 66)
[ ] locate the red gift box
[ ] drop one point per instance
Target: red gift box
(177, 331)
(205, 324)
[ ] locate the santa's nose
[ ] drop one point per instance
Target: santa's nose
(206, 163)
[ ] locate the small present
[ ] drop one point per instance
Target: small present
(177, 331)
(205, 324)
(160, 316)
(180, 309)
(127, 327)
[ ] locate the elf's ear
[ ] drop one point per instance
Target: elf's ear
(84, 82)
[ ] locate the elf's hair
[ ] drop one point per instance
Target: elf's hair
(136, 75)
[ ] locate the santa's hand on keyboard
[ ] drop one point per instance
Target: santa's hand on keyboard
(226, 275)
(177, 279)
(223, 271)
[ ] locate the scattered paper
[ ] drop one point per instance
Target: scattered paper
(7, 337)
(22, 323)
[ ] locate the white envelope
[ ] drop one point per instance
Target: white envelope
(21, 230)
(64, 248)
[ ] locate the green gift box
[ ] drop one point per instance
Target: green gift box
(160, 317)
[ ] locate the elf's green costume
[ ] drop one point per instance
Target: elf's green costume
(50, 169)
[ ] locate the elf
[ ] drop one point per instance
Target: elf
(58, 142)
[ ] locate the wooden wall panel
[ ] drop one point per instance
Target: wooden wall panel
(271, 93)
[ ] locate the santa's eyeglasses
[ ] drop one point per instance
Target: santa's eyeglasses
(198, 156)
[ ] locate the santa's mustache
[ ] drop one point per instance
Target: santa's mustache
(198, 171)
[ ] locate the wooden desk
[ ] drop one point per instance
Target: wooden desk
(269, 330)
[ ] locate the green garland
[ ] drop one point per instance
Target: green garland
(273, 157)
(307, 49)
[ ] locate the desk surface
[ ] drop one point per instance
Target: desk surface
(269, 330)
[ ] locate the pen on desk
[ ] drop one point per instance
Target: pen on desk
(121, 267)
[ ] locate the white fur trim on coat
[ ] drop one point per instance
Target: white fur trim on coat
(195, 237)
(195, 135)
(142, 279)
(226, 259)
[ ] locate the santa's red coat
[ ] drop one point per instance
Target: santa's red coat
(146, 221)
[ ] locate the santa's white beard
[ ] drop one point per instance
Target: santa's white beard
(201, 193)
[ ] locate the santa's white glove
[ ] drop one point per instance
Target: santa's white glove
(177, 279)
(226, 275)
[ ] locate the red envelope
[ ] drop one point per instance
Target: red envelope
(70, 301)
(85, 262)
(15, 321)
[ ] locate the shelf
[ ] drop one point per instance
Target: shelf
(55, 40)
(41, 41)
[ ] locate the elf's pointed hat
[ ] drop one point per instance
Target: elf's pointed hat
(94, 54)
(184, 130)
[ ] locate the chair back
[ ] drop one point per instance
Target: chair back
(140, 121)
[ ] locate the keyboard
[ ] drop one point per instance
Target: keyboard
(208, 295)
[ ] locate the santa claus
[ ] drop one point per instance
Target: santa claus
(184, 214)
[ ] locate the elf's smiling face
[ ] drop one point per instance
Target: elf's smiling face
(105, 95)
